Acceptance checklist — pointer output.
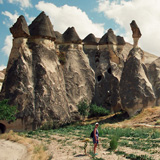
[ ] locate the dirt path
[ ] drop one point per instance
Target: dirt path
(12, 151)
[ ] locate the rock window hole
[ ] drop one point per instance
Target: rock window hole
(2, 128)
(99, 78)
(109, 70)
(97, 61)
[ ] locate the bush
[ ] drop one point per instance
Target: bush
(114, 143)
(83, 108)
(7, 112)
(97, 111)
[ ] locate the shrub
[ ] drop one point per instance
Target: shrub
(7, 112)
(114, 143)
(83, 108)
(97, 111)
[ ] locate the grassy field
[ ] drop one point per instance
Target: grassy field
(136, 140)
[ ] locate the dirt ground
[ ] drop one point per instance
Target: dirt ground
(61, 147)
(12, 151)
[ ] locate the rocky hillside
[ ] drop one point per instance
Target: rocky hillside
(49, 73)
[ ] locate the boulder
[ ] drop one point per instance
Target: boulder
(154, 77)
(20, 28)
(135, 89)
(42, 27)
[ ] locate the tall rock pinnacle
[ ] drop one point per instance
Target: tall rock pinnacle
(136, 33)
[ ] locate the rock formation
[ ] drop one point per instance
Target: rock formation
(20, 29)
(108, 71)
(49, 73)
(136, 33)
(154, 77)
(2, 74)
(90, 47)
(42, 27)
(44, 89)
(135, 89)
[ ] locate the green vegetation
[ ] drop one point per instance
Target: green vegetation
(83, 108)
(114, 143)
(91, 110)
(111, 139)
(7, 112)
(133, 156)
(96, 111)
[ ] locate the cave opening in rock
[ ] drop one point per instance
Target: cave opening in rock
(2, 128)
(109, 70)
(99, 78)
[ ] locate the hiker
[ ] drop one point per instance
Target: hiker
(95, 137)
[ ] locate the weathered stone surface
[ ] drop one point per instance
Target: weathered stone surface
(59, 38)
(42, 27)
(1, 79)
(154, 77)
(136, 33)
(108, 71)
(71, 36)
(135, 89)
(79, 77)
(20, 28)
(108, 38)
(38, 87)
(120, 40)
(90, 40)
(44, 89)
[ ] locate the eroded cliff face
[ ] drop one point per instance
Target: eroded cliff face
(49, 73)
(154, 77)
(135, 89)
(44, 89)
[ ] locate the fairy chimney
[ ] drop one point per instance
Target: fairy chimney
(136, 33)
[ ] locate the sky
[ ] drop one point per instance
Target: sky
(87, 16)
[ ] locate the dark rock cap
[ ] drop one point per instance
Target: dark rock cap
(42, 27)
(120, 40)
(108, 38)
(20, 28)
(59, 37)
(71, 36)
(136, 33)
(90, 39)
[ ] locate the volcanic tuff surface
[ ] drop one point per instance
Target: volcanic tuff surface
(49, 73)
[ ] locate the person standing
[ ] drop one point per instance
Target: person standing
(95, 137)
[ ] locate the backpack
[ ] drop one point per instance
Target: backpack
(92, 134)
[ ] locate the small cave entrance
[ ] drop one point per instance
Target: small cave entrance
(109, 70)
(99, 78)
(2, 128)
